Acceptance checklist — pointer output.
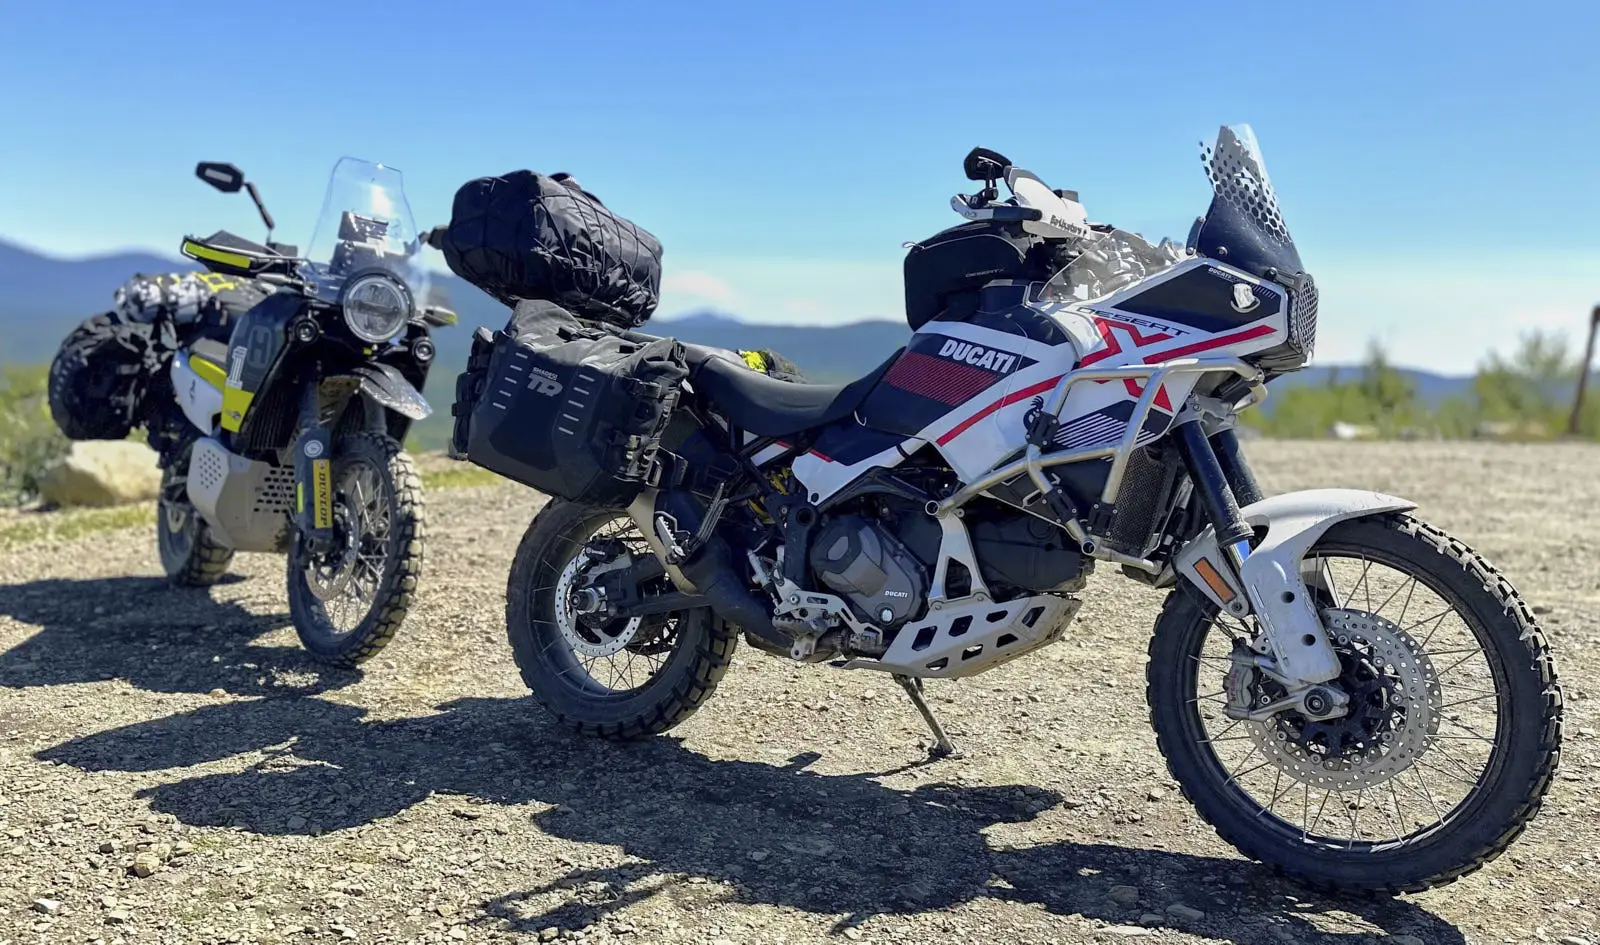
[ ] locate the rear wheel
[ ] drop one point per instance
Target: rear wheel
(1451, 737)
(614, 678)
(348, 603)
(189, 555)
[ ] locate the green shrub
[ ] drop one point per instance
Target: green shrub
(29, 440)
(1525, 395)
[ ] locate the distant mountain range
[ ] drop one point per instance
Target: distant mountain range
(41, 298)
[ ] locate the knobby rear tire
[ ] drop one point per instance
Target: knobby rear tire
(1526, 752)
(703, 651)
(190, 557)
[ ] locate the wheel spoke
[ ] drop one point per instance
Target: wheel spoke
(1465, 738)
(1469, 772)
(1445, 773)
(1320, 808)
(1410, 582)
(1458, 662)
(1437, 624)
(1355, 818)
(1399, 818)
(1272, 805)
(1360, 582)
(1428, 793)
(1465, 701)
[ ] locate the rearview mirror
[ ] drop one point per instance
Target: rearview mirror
(225, 177)
(985, 165)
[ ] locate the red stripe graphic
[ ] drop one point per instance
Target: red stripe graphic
(1134, 390)
(1005, 401)
(1139, 339)
(1209, 343)
(1161, 395)
(948, 382)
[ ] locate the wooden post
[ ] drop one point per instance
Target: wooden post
(1583, 374)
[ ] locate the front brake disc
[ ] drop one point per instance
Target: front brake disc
(1385, 730)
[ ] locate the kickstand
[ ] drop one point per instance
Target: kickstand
(943, 747)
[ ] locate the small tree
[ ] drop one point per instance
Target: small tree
(1379, 395)
(1529, 387)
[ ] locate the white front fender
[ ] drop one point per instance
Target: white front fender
(1273, 587)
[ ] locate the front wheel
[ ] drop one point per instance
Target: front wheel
(347, 603)
(1451, 737)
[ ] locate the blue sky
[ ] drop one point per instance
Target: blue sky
(1438, 163)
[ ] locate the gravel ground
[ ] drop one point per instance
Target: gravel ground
(173, 769)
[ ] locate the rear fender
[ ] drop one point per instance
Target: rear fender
(1272, 582)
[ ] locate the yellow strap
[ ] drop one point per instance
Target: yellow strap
(754, 360)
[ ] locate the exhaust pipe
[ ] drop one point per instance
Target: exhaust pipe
(710, 572)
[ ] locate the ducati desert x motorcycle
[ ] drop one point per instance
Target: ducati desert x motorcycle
(287, 437)
(1343, 691)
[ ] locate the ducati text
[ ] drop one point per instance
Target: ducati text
(978, 356)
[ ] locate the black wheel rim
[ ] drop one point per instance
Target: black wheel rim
(178, 525)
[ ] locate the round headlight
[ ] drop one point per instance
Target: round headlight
(376, 307)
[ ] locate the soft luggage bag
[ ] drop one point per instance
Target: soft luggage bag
(524, 235)
(572, 410)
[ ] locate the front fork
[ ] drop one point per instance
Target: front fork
(1297, 651)
(313, 475)
(1213, 487)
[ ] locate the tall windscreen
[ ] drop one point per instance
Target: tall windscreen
(1244, 226)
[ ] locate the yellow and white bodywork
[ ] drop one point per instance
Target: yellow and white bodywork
(198, 384)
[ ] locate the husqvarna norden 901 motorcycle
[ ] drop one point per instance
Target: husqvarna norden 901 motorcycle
(1344, 691)
(287, 438)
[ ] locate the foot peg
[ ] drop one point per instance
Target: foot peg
(943, 747)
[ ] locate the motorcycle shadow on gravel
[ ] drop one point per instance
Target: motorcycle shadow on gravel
(783, 835)
(158, 637)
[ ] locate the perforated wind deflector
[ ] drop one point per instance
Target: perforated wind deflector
(1244, 227)
(1239, 179)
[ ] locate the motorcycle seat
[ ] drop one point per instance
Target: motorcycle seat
(766, 406)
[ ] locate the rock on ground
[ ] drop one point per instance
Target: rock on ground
(97, 473)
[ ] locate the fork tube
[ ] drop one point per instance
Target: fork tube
(1234, 467)
(1211, 486)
